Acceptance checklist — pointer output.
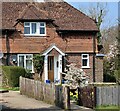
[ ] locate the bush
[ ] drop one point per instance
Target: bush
(117, 74)
(12, 74)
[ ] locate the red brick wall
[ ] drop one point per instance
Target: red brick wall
(99, 69)
(69, 42)
(76, 58)
(75, 42)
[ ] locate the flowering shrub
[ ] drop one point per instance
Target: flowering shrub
(75, 77)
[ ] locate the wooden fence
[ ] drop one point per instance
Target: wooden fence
(86, 96)
(107, 95)
(50, 93)
(97, 96)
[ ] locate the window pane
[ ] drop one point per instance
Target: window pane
(33, 28)
(84, 62)
(21, 61)
(29, 57)
(26, 30)
(27, 24)
(42, 24)
(29, 65)
(42, 30)
(84, 56)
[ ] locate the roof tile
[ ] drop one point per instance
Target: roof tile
(64, 15)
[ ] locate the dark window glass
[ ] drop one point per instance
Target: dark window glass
(84, 62)
(42, 30)
(84, 56)
(26, 30)
(42, 24)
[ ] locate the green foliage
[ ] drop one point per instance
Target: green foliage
(28, 74)
(108, 71)
(117, 74)
(10, 88)
(38, 62)
(12, 74)
(117, 60)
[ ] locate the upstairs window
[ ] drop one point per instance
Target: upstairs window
(85, 61)
(35, 28)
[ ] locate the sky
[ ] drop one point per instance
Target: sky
(111, 17)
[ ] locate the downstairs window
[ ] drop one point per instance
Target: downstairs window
(26, 61)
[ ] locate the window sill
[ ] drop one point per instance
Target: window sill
(85, 67)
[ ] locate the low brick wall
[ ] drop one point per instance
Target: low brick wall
(50, 93)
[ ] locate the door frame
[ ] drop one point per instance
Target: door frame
(46, 54)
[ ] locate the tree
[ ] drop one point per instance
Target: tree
(117, 65)
(110, 49)
(75, 77)
(98, 13)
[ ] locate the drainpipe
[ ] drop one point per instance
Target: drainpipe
(94, 54)
(7, 48)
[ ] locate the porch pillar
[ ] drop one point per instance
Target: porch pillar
(60, 66)
(46, 67)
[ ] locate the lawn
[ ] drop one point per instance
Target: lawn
(107, 108)
(10, 88)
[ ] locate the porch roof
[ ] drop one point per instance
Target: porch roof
(53, 46)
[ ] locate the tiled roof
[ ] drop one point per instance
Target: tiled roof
(33, 13)
(64, 15)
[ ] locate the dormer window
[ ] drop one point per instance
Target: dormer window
(34, 28)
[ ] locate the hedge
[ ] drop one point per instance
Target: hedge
(12, 74)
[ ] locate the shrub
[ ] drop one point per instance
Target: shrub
(28, 74)
(38, 62)
(117, 75)
(12, 74)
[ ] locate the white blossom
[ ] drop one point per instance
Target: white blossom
(75, 76)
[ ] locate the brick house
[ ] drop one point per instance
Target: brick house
(55, 30)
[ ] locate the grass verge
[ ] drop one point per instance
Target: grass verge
(10, 88)
(107, 108)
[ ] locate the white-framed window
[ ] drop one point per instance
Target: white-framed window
(34, 28)
(26, 61)
(85, 61)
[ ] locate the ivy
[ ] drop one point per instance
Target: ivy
(38, 62)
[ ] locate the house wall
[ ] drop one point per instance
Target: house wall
(76, 58)
(69, 42)
(99, 69)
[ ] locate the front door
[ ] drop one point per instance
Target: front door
(51, 68)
